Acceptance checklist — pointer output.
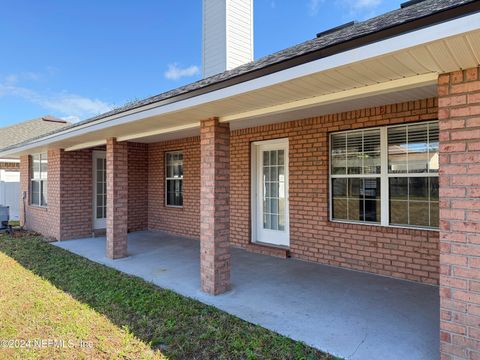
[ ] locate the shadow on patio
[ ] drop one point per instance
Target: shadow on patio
(347, 313)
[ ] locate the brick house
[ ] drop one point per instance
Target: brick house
(358, 149)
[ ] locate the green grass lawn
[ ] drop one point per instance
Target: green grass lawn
(49, 293)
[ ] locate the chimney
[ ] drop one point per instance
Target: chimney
(227, 35)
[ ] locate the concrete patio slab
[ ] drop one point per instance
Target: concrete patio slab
(346, 313)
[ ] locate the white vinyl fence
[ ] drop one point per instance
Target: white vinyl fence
(10, 196)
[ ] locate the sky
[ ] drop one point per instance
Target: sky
(77, 59)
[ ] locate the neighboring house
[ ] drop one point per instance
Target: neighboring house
(10, 167)
(359, 148)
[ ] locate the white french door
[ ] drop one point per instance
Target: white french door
(99, 160)
(270, 222)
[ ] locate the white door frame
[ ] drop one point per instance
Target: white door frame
(277, 237)
(97, 223)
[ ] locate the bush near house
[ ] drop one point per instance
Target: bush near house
(48, 292)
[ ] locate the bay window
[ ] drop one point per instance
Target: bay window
(174, 178)
(386, 175)
(38, 179)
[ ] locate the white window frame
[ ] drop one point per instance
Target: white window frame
(40, 180)
(172, 178)
(255, 170)
(384, 178)
(98, 223)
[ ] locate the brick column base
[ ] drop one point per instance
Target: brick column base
(459, 115)
(117, 198)
(215, 207)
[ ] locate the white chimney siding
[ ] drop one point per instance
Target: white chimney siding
(227, 35)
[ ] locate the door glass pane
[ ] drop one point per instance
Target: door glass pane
(101, 189)
(274, 191)
(281, 222)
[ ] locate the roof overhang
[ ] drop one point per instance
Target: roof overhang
(400, 68)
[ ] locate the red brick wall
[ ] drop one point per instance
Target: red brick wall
(214, 207)
(459, 113)
(137, 186)
(403, 253)
(69, 211)
(75, 210)
(76, 194)
(186, 220)
(45, 220)
(117, 198)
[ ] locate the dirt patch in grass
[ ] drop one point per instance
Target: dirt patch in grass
(122, 315)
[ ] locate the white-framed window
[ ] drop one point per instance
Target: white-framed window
(386, 175)
(39, 179)
(174, 178)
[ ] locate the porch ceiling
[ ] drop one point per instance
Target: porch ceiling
(368, 76)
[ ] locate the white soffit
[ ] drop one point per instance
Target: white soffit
(414, 56)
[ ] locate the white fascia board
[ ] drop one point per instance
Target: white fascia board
(411, 39)
(86, 145)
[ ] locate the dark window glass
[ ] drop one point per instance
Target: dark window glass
(174, 178)
(414, 201)
(35, 193)
(356, 199)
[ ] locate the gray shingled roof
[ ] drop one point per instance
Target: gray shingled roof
(358, 30)
(28, 130)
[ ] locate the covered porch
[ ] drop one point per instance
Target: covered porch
(350, 314)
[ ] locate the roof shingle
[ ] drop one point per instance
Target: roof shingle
(27, 130)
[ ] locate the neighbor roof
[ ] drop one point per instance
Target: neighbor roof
(409, 18)
(27, 130)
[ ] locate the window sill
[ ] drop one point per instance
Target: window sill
(173, 207)
(385, 226)
(38, 207)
